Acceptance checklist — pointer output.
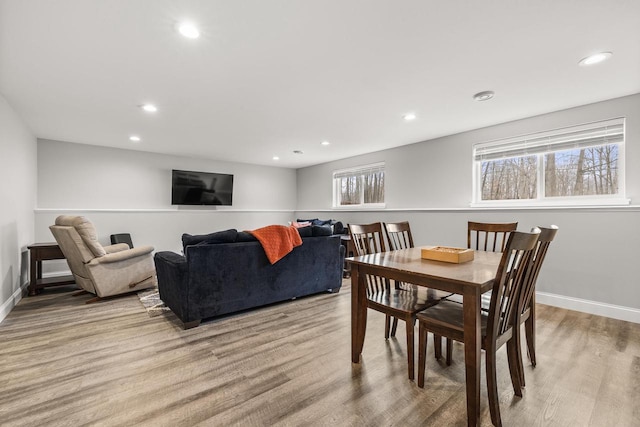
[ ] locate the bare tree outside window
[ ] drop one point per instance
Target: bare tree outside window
(374, 187)
(583, 161)
(509, 179)
(350, 190)
(359, 186)
(582, 172)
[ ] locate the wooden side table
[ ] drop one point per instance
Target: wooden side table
(350, 251)
(39, 252)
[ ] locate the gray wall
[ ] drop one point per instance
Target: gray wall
(591, 266)
(18, 196)
(130, 192)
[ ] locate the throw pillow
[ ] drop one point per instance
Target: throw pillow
(338, 228)
(321, 230)
(307, 220)
(300, 224)
(306, 231)
(227, 236)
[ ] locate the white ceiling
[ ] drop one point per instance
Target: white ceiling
(271, 76)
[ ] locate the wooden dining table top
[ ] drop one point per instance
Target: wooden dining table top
(478, 272)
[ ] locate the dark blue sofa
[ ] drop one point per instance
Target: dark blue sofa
(213, 278)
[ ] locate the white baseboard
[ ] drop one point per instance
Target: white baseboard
(14, 299)
(592, 307)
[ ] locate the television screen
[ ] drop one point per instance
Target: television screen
(201, 188)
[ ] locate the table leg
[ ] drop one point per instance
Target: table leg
(472, 349)
(358, 313)
(33, 273)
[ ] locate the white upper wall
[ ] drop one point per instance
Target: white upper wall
(18, 172)
(438, 173)
(125, 191)
(79, 176)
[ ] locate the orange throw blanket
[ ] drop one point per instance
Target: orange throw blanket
(277, 240)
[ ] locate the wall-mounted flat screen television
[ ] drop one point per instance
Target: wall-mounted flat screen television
(201, 188)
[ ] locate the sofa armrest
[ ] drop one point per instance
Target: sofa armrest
(118, 247)
(172, 272)
(123, 255)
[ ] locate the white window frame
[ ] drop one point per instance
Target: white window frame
(534, 144)
(357, 170)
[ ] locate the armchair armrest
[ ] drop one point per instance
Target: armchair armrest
(118, 247)
(123, 255)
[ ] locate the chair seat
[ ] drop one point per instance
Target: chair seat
(485, 303)
(450, 315)
(405, 301)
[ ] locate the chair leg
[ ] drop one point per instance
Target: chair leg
(422, 352)
(492, 387)
(449, 351)
(410, 353)
(387, 326)
(517, 355)
(437, 346)
(514, 358)
(394, 327)
(530, 333)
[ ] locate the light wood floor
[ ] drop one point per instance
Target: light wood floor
(66, 363)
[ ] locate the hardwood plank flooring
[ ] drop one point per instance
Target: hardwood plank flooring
(64, 363)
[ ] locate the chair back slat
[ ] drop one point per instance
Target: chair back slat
(547, 234)
(512, 273)
(484, 236)
(399, 235)
(369, 239)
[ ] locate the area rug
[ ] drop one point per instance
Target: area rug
(150, 299)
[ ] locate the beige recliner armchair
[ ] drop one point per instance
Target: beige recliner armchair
(102, 270)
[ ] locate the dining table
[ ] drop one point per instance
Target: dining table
(470, 279)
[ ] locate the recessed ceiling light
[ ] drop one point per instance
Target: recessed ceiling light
(149, 108)
(595, 58)
(325, 143)
(483, 96)
(276, 158)
(409, 116)
(188, 29)
(134, 138)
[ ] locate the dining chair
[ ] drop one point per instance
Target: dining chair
(393, 301)
(399, 237)
(486, 236)
(498, 325)
(528, 303)
(481, 236)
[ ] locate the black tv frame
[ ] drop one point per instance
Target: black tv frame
(194, 188)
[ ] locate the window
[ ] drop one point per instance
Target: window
(576, 165)
(360, 186)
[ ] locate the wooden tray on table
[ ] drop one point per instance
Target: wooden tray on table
(448, 254)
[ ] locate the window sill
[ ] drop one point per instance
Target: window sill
(360, 207)
(560, 203)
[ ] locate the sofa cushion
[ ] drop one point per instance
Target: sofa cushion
(321, 230)
(306, 231)
(226, 236)
(244, 236)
